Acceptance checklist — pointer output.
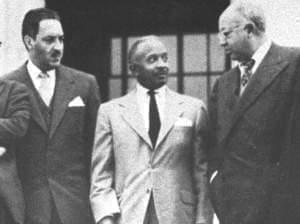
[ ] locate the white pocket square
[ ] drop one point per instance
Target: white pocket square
(213, 176)
(76, 102)
(183, 122)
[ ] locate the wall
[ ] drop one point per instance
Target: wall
(283, 20)
(12, 52)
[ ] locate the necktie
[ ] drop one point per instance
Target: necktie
(154, 121)
(44, 89)
(246, 72)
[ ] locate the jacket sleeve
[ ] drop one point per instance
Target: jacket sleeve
(102, 195)
(204, 212)
(16, 108)
(91, 116)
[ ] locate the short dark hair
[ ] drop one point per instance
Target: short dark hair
(32, 20)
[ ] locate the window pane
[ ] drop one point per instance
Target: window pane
(130, 41)
(170, 42)
(194, 53)
(131, 84)
(114, 88)
(196, 86)
(116, 56)
(217, 54)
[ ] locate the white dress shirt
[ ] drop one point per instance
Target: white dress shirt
(143, 100)
(34, 73)
(258, 56)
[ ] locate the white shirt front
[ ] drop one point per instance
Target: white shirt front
(143, 100)
(258, 57)
(34, 73)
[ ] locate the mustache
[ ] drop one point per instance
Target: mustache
(56, 53)
(164, 69)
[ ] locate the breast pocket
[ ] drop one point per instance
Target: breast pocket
(74, 119)
(182, 135)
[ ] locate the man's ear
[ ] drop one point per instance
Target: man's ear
(132, 67)
(28, 41)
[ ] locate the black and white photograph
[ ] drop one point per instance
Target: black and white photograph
(149, 112)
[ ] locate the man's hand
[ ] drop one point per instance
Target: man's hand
(2, 151)
(107, 220)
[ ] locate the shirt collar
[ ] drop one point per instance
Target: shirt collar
(144, 91)
(259, 54)
(34, 71)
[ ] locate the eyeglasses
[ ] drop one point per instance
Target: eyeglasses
(227, 33)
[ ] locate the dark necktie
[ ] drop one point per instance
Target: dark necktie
(246, 70)
(154, 121)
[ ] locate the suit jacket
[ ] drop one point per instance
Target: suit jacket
(251, 138)
(126, 168)
(54, 158)
(14, 117)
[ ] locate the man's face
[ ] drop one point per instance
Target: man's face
(151, 64)
(46, 50)
(234, 38)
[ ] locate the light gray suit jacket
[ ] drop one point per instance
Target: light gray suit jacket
(126, 168)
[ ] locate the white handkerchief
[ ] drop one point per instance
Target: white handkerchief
(183, 122)
(76, 102)
(2, 150)
(213, 176)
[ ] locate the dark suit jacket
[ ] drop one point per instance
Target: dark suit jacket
(54, 161)
(251, 138)
(14, 117)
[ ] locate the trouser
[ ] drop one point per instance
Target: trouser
(151, 217)
(5, 215)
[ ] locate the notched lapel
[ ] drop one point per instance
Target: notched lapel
(261, 80)
(132, 116)
(173, 111)
(64, 92)
(266, 73)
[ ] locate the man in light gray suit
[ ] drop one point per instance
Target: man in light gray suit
(149, 156)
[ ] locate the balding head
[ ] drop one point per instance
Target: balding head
(246, 12)
(242, 30)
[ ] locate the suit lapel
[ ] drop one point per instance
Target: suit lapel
(133, 117)
(173, 110)
(35, 111)
(63, 94)
(268, 70)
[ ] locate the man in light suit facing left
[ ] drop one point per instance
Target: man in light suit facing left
(149, 156)
(54, 156)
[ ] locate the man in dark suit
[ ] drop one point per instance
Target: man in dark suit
(54, 157)
(14, 117)
(149, 158)
(250, 109)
